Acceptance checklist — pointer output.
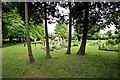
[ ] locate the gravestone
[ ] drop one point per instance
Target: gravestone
(58, 47)
(52, 42)
(35, 41)
(61, 41)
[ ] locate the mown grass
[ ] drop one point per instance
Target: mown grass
(94, 64)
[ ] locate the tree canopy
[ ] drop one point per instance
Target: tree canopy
(61, 29)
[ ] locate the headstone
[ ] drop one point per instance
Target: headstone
(61, 42)
(49, 40)
(52, 42)
(58, 47)
(35, 40)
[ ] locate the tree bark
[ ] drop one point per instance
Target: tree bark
(19, 40)
(46, 33)
(11, 39)
(70, 30)
(82, 48)
(0, 24)
(78, 38)
(31, 58)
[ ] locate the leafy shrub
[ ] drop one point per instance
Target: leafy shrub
(110, 41)
(53, 47)
(109, 48)
(116, 41)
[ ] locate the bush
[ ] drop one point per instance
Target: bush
(109, 48)
(53, 47)
(116, 41)
(110, 41)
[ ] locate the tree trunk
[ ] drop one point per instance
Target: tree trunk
(46, 33)
(19, 40)
(31, 58)
(0, 24)
(70, 31)
(11, 39)
(78, 38)
(82, 48)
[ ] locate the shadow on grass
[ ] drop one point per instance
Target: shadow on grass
(109, 50)
(11, 44)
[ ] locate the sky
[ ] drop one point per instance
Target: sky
(51, 28)
(112, 27)
(64, 11)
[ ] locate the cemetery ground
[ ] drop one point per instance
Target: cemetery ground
(94, 64)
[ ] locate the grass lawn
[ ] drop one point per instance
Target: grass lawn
(95, 64)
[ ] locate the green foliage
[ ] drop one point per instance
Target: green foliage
(13, 25)
(109, 33)
(112, 41)
(104, 37)
(110, 48)
(62, 35)
(52, 36)
(96, 35)
(36, 31)
(117, 35)
(53, 47)
(61, 29)
(74, 35)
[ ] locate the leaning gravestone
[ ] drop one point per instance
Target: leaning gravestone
(51, 49)
(58, 47)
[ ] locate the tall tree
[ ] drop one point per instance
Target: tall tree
(0, 24)
(31, 58)
(70, 30)
(13, 25)
(46, 33)
(98, 14)
(82, 48)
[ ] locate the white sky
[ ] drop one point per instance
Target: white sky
(51, 28)
(112, 27)
(63, 11)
